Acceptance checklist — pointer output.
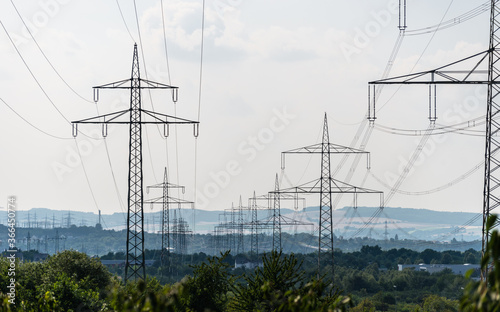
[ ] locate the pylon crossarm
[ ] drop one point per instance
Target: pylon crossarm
(318, 149)
(428, 77)
(168, 200)
(169, 185)
(107, 118)
(284, 196)
(289, 221)
(122, 84)
(155, 85)
(144, 84)
(167, 119)
(334, 149)
(337, 187)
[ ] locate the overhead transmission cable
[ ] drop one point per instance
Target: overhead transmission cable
(124, 22)
(485, 7)
(32, 125)
(86, 175)
(175, 105)
(416, 153)
(460, 128)
(377, 213)
(74, 91)
(149, 92)
(45, 56)
(436, 189)
(36, 79)
(418, 60)
(200, 88)
(32, 74)
(365, 122)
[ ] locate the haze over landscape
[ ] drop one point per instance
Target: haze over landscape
(270, 71)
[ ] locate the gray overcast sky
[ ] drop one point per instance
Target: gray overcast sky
(271, 69)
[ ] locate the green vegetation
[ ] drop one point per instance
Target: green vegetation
(365, 280)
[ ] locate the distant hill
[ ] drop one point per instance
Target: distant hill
(421, 215)
(392, 227)
(423, 223)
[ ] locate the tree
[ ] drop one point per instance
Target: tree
(141, 296)
(280, 286)
(433, 303)
(446, 258)
(208, 287)
(485, 295)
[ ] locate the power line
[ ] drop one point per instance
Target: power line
(45, 56)
(199, 107)
(419, 58)
(32, 125)
(165, 41)
(32, 74)
(124, 22)
(36, 80)
(86, 176)
(434, 190)
(452, 22)
(149, 91)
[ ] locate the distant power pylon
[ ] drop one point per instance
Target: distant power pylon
(166, 200)
(325, 186)
(276, 216)
(254, 233)
(180, 230)
(135, 263)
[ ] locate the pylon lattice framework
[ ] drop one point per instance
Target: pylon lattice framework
(325, 186)
(226, 231)
(166, 200)
(452, 73)
(135, 263)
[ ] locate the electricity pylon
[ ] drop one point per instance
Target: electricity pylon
(166, 200)
(325, 186)
(135, 263)
(276, 216)
(254, 234)
(455, 73)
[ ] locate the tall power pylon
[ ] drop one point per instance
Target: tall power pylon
(135, 262)
(460, 72)
(325, 186)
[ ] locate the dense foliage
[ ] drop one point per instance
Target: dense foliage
(365, 280)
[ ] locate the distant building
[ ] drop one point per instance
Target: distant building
(248, 264)
(459, 269)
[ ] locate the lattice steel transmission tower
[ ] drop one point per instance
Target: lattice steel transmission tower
(240, 228)
(492, 162)
(254, 233)
(325, 206)
(325, 186)
(166, 200)
(229, 233)
(276, 216)
(180, 230)
(135, 262)
(452, 73)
